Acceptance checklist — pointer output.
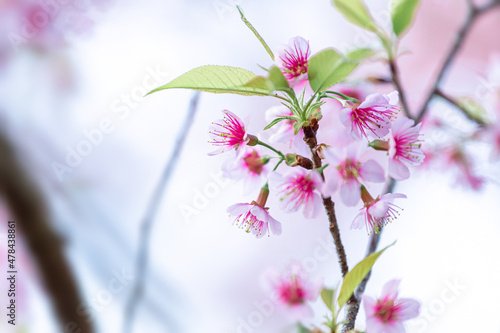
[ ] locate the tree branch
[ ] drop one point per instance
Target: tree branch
(311, 141)
(455, 103)
(472, 15)
(399, 87)
(28, 207)
(147, 223)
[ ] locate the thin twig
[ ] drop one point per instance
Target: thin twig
(311, 141)
(399, 87)
(472, 15)
(456, 104)
(147, 223)
(28, 208)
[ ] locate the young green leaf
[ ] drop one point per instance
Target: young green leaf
(302, 329)
(255, 32)
(328, 67)
(356, 275)
(277, 120)
(361, 54)
(402, 12)
(216, 79)
(327, 297)
(356, 12)
(278, 79)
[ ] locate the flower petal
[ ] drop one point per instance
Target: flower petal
(371, 171)
(398, 170)
(410, 308)
(350, 192)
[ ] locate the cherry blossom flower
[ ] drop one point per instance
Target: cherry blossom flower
(292, 59)
(377, 212)
(228, 133)
(456, 156)
(250, 167)
(372, 117)
(294, 290)
(254, 217)
(350, 171)
(299, 189)
(405, 148)
(388, 313)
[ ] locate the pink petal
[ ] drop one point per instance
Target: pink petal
(350, 192)
(391, 289)
(393, 97)
(369, 305)
(374, 99)
(398, 170)
(371, 171)
(275, 226)
(260, 213)
(331, 181)
(359, 220)
(401, 124)
(238, 209)
(410, 308)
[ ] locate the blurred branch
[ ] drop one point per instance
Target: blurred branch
(399, 87)
(147, 223)
(460, 107)
(28, 206)
(473, 14)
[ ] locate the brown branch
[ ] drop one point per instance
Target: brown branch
(311, 141)
(28, 207)
(473, 14)
(399, 87)
(456, 104)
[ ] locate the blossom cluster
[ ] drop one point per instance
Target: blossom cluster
(353, 134)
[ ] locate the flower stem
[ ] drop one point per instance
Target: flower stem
(272, 148)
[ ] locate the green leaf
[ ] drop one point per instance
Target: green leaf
(361, 54)
(218, 79)
(403, 12)
(297, 126)
(356, 12)
(327, 297)
(255, 32)
(277, 120)
(356, 275)
(278, 79)
(328, 67)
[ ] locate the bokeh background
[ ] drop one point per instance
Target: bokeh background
(88, 68)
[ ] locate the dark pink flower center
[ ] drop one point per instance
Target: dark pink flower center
(228, 132)
(387, 311)
(295, 62)
(372, 118)
(299, 190)
(292, 293)
(349, 169)
(253, 162)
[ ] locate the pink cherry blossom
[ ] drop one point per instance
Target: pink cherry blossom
(292, 59)
(350, 171)
(250, 167)
(372, 117)
(283, 133)
(227, 133)
(388, 313)
(298, 189)
(377, 212)
(255, 219)
(405, 148)
(294, 290)
(456, 156)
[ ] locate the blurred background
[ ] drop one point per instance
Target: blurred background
(83, 153)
